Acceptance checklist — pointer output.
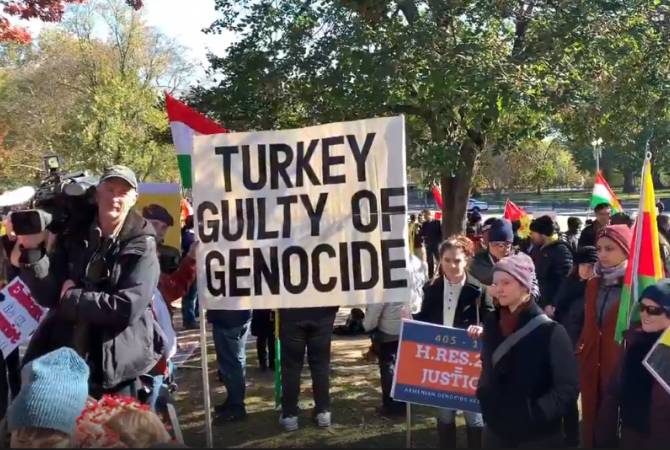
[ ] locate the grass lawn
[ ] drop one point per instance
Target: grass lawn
(355, 394)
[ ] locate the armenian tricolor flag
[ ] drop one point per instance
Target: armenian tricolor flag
(645, 266)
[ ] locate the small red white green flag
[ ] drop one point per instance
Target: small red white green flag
(602, 193)
(184, 124)
(645, 266)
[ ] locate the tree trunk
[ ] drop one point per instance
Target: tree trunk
(538, 191)
(456, 192)
(629, 181)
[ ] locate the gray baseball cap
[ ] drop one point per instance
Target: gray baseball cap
(123, 172)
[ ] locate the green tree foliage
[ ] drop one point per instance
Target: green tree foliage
(94, 100)
(468, 74)
(620, 90)
(532, 164)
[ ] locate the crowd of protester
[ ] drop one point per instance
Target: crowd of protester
(545, 308)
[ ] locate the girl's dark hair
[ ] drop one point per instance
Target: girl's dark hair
(459, 242)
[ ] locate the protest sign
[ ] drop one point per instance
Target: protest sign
(20, 315)
(437, 366)
(302, 218)
(657, 361)
(168, 196)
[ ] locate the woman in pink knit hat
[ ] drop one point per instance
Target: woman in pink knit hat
(598, 354)
(529, 373)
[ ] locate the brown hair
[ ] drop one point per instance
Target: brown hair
(458, 242)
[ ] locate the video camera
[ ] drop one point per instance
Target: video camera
(61, 202)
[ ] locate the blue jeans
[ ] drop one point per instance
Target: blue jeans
(189, 304)
(231, 356)
(159, 387)
(155, 391)
(473, 420)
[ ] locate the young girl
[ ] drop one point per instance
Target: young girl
(598, 353)
(635, 396)
(529, 372)
(453, 299)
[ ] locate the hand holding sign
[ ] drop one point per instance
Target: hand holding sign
(475, 331)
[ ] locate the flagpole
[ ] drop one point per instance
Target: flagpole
(638, 239)
(277, 362)
(205, 374)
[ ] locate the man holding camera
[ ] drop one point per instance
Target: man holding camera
(98, 281)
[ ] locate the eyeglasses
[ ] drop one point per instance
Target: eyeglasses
(652, 310)
(501, 244)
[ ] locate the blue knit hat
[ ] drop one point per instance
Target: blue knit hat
(659, 293)
(55, 393)
(501, 231)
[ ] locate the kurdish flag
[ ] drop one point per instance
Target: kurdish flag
(513, 212)
(602, 193)
(645, 266)
(184, 124)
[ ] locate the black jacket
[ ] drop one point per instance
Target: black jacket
(573, 242)
(569, 302)
(431, 233)
(432, 308)
(589, 235)
(108, 319)
(524, 397)
(552, 266)
(481, 268)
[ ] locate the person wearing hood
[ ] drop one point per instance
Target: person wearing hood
(635, 398)
(98, 283)
(529, 372)
(598, 354)
(553, 263)
(455, 300)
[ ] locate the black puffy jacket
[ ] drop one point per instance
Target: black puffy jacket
(552, 266)
(109, 319)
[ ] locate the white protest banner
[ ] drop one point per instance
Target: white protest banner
(20, 315)
(302, 218)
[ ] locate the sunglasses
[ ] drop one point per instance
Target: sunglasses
(652, 310)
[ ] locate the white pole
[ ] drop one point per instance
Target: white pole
(205, 374)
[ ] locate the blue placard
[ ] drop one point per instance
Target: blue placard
(437, 366)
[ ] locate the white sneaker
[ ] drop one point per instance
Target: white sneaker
(289, 423)
(323, 419)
